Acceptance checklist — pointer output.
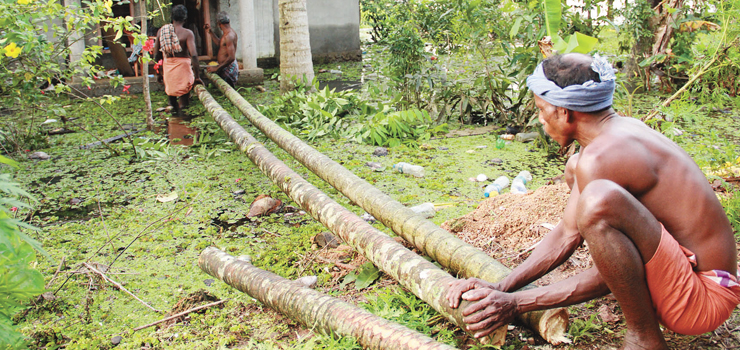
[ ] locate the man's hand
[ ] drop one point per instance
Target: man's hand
(494, 309)
(211, 69)
(207, 27)
(458, 287)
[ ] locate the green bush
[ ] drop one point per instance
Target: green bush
(18, 279)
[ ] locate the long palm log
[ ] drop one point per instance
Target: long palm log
(440, 245)
(421, 277)
(315, 310)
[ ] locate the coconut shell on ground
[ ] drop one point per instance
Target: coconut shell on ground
(507, 227)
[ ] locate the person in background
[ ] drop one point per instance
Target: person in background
(227, 68)
(180, 67)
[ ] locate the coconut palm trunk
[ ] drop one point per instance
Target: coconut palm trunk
(295, 45)
(315, 310)
(440, 245)
(421, 277)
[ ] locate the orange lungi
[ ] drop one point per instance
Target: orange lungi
(687, 301)
(178, 76)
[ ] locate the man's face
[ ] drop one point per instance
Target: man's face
(551, 123)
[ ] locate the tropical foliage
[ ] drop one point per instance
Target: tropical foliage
(19, 280)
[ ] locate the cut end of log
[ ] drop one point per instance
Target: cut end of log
(497, 338)
(554, 326)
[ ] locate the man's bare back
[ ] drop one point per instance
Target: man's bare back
(185, 36)
(663, 177)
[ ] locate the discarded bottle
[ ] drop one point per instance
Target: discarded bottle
(425, 209)
(518, 185)
(526, 136)
(496, 187)
(406, 168)
(500, 143)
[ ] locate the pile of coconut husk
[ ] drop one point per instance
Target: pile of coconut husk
(508, 227)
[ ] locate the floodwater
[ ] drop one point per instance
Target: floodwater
(180, 132)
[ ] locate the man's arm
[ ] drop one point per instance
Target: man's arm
(215, 38)
(495, 309)
(194, 57)
(158, 56)
(551, 252)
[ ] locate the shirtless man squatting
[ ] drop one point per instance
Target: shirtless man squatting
(227, 68)
(658, 236)
(180, 69)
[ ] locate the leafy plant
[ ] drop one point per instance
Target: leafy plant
(30, 61)
(18, 279)
(406, 50)
(363, 276)
(392, 129)
(585, 329)
(378, 15)
(576, 42)
(146, 149)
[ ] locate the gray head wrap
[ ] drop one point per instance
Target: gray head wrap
(588, 97)
(223, 18)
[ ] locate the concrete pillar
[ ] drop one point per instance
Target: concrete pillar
(247, 38)
(76, 40)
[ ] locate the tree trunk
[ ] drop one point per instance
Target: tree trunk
(440, 245)
(664, 28)
(315, 310)
(295, 46)
(421, 277)
(145, 70)
(643, 47)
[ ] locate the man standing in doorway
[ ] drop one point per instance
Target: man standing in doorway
(180, 69)
(227, 68)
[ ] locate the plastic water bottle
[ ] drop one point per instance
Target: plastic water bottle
(406, 168)
(518, 185)
(425, 209)
(496, 187)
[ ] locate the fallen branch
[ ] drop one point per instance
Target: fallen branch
(696, 76)
(59, 269)
(119, 286)
(337, 263)
(181, 314)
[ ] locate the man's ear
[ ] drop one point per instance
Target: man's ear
(565, 114)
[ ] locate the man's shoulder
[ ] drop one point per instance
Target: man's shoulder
(619, 156)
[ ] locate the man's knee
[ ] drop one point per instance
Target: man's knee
(598, 203)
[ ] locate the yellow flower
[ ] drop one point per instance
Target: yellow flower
(12, 50)
(24, 2)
